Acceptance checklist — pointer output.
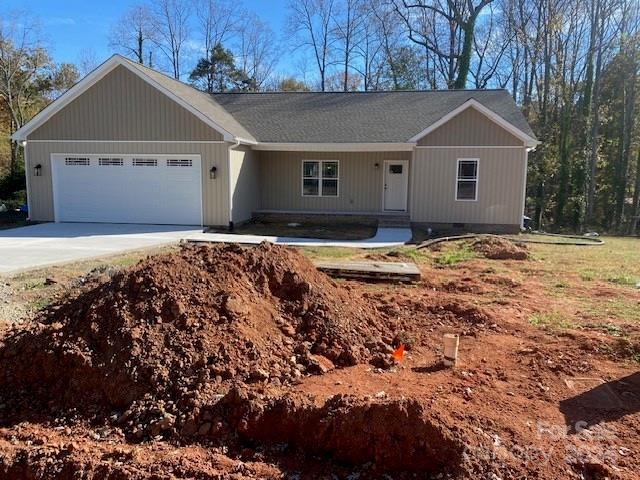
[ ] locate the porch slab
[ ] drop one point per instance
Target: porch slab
(384, 238)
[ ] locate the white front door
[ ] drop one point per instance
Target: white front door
(116, 188)
(396, 182)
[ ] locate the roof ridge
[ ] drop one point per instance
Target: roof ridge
(361, 92)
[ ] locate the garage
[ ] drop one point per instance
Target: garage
(115, 188)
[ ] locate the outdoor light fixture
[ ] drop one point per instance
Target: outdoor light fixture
(377, 165)
(37, 170)
(212, 172)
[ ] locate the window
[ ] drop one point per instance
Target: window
(320, 178)
(467, 179)
(145, 162)
(76, 161)
(106, 162)
(179, 162)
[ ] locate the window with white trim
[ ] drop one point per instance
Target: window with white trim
(76, 161)
(320, 178)
(110, 162)
(467, 179)
(145, 162)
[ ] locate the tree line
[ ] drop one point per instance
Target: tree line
(571, 65)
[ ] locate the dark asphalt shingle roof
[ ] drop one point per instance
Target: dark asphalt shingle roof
(356, 117)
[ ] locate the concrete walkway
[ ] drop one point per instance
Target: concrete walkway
(53, 243)
(384, 238)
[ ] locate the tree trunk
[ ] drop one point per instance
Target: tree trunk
(635, 211)
(465, 56)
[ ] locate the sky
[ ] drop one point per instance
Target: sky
(71, 26)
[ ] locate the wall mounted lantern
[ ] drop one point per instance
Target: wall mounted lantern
(212, 172)
(37, 170)
(377, 165)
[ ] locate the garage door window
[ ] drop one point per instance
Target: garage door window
(145, 162)
(179, 162)
(76, 161)
(110, 162)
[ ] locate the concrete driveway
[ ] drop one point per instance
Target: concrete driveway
(52, 243)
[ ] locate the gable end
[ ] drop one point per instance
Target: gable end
(121, 106)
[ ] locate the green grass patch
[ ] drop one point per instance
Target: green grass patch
(40, 303)
(622, 279)
(553, 320)
(454, 256)
(587, 275)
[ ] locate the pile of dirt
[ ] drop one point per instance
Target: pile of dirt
(175, 331)
(497, 248)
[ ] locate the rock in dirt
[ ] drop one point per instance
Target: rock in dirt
(497, 248)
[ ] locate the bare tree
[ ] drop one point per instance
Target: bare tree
(217, 22)
(86, 61)
(349, 21)
(423, 19)
(23, 62)
(257, 51)
(171, 21)
(312, 22)
(134, 33)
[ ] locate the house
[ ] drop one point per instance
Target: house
(128, 144)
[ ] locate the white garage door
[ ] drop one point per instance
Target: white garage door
(156, 189)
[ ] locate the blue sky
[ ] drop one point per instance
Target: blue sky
(69, 26)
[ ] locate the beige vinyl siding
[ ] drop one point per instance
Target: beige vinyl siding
(122, 106)
(500, 186)
(470, 128)
(215, 200)
(244, 183)
(360, 181)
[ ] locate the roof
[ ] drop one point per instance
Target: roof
(313, 117)
(357, 117)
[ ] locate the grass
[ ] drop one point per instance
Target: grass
(453, 256)
(553, 321)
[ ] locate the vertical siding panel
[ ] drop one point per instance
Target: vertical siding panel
(470, 128)
(500, 187)
(122, 106)
(360, 181)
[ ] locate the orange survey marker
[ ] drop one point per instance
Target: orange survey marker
(398, 353)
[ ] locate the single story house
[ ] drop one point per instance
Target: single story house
(128, 144)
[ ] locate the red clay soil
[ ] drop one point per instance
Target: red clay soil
(218, 362)
(497, 248)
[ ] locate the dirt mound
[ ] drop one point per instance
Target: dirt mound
(175, 330)
(497, 248)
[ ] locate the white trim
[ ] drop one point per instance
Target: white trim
(472, 146)
(477, 179)
(336, 147)
(320, 178)
(92, 78)
(127, 141)
(165, 156)
(27, 173)
(472, 103)
(406, 186)
(524, 187)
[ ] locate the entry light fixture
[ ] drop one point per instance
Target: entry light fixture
(377, 165)
(37, 170)
(212, 172)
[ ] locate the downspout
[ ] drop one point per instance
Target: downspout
(27, 169)
(235, 145)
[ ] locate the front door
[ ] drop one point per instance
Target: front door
(396, 182)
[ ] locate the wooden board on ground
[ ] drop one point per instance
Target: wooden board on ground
(394, 271)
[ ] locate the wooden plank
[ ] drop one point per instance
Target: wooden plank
(405, 272)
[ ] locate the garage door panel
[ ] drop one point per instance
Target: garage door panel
(130, 192)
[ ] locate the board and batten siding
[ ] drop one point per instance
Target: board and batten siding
(360, 181)
(470, 128)
(500, 186)
(122, 106)
(215, 199)
(244, 183)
